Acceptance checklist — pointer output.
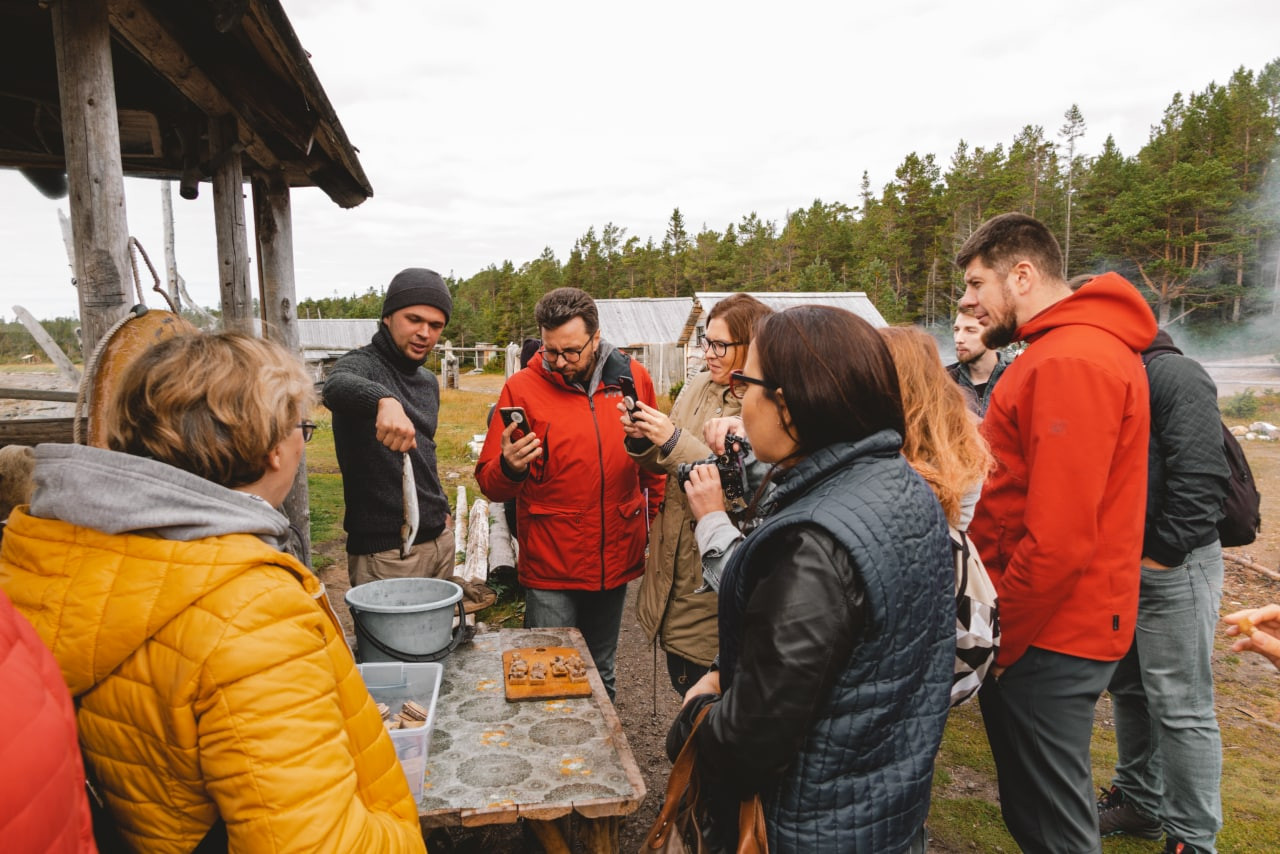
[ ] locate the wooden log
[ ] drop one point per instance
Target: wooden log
(91, 138)
(460, 521)
(502, 547)
(229, 224)
(273, 228)
(33, 431)
(37, 394)
(550, 836)
(476, 566)
(69, 371)
(1251, 565)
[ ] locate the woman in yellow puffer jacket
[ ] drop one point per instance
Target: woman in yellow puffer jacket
(216, 694)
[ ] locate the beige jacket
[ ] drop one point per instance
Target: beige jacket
(667, 604)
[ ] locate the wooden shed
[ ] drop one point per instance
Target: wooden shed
(208, 93)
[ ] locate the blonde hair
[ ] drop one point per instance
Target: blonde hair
(942, 441)
(213, 405)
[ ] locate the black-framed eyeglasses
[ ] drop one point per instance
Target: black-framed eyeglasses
(717, 348)
(308, 429)
(738, 382)
(570, 357)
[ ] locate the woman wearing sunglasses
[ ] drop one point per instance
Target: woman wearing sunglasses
(837, 617)
(673, 605)
(217, 703)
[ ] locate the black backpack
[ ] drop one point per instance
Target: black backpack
(1243, 505)
(1242, 508)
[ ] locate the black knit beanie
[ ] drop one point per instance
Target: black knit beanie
(417, 286)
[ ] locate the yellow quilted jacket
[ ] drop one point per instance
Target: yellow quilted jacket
(213, 680)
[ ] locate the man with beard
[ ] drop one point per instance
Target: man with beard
(977, 368)
(1060, 523)
(385, 405)
(580, 498)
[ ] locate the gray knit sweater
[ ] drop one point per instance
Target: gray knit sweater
(371, 472)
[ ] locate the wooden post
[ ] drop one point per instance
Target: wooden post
(50, 347)
(170, 254)
(91, 141)
(273, 228)
(229, 224)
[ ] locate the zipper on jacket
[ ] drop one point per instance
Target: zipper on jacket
(591, 404)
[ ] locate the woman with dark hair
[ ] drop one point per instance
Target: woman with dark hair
(837, 616)
(673, 604)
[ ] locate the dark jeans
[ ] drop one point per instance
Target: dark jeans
(1039, 721)
(595, 613)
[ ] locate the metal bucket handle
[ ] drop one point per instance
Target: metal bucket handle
(460, 633)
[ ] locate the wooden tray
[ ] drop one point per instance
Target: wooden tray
(549, 688)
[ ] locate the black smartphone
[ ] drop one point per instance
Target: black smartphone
(628, 387)
(515, 415)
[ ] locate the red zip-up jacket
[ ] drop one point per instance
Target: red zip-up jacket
(1060, 521)
(580, 509)
(44, 807)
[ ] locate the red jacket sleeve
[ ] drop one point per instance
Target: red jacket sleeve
(490, 477)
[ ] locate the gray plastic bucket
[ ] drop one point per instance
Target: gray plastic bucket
(406, 619)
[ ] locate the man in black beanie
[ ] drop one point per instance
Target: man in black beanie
(385, 404)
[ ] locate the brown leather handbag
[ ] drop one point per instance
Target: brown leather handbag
(676, 830)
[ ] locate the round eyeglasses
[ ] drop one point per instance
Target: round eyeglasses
(308, 429)
(570, 357)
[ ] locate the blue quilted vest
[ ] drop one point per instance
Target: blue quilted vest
(862, 779)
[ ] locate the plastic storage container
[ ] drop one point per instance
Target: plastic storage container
(393, 683)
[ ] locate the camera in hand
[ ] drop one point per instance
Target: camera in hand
(732, 467)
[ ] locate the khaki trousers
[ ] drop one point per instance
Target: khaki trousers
(432, 559)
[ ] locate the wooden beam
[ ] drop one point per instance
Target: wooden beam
(34, 431)
(229, 224)
(91, 138)
(46, 394)
(273, 226)
(138, 27)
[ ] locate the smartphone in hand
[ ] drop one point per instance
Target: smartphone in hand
(515, 415)
(628, 387)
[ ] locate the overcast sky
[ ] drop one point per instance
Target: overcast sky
(492, 130)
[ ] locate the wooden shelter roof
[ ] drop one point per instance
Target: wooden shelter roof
(176, 63)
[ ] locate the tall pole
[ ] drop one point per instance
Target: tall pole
(229, 225)
(273, 226)
(95, 174)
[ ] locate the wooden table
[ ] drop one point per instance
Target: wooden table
(494, 762)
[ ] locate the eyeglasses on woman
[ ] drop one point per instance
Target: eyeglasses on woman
(738, 382)
(717, 348)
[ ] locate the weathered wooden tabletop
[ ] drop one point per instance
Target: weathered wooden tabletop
(493, 762)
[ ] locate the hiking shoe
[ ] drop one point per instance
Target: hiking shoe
(1173, 846)
(1118, 814)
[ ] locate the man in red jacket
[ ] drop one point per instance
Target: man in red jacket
(1060, 521)
(581, 500)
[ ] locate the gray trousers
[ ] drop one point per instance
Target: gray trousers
(1039, 721)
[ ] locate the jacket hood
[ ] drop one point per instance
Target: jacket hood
(114, 547)
(118, 493)
(1108, 302)
(1162, 344)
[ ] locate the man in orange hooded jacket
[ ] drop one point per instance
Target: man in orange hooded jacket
(1060, 521)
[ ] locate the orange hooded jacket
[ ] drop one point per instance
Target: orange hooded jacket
(1059, 524)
